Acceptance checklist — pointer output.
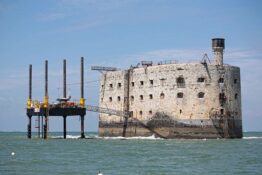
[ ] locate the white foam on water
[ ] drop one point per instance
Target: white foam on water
(252, 137)
(67, 136)
(153, 137)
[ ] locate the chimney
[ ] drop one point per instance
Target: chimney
(218, 45)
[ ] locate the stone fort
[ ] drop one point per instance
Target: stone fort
(174, 100)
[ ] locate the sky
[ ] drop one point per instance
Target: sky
(119, 33)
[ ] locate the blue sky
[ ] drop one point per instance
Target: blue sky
(120, 33)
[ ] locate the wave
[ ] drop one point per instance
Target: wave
(252, 137)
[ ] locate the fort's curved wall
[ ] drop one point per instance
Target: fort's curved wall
(173, 100)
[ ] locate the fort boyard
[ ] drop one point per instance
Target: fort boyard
(174, 100)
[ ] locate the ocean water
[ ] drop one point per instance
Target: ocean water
(118, 156)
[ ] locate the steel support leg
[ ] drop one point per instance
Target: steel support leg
(64, 117)
(82, 126)
(29, 127)
(45, 128)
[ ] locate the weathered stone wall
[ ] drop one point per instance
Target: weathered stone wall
(194, 94)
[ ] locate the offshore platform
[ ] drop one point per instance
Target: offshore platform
(64, 107)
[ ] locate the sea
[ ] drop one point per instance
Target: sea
(134, 155)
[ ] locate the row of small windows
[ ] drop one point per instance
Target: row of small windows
(119, 85)
(150, 112)
(180, 82)
(179, 95)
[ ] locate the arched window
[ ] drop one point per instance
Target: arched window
(118, 98)
(162, 95)
(180, 95)
(201, 95)
(180, 82)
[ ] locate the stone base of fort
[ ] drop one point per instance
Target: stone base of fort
(193, 129)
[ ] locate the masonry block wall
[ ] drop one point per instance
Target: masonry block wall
(193, 94)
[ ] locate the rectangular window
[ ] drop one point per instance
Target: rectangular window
(119, 85)
(150, 96)
(132, 84)
(118, 98)
(201, 79)
(141, 97)
(151, 82)
(110, 99)
(141, 83)
(180, 95)
(111, 85)
(180, 82)
(221, 80)
(131, 113)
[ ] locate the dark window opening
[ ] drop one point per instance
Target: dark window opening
(119, 85)
(132, 98)
(235, 81)
(118, 98)
(162, 95)
(180, 111)
(141, 83)
(150, 112)
(141, 112)
(133, 84)
(236, 96)
(201, 79)
(111, 85)
(222, 96)
(150, 96)
(141, 97)
(151, 82)
(180, 82)
(102, 86)
(222, 99)
(221, 80)
(221, 111)
(180, 95)
(201, 95)
(110, 99)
